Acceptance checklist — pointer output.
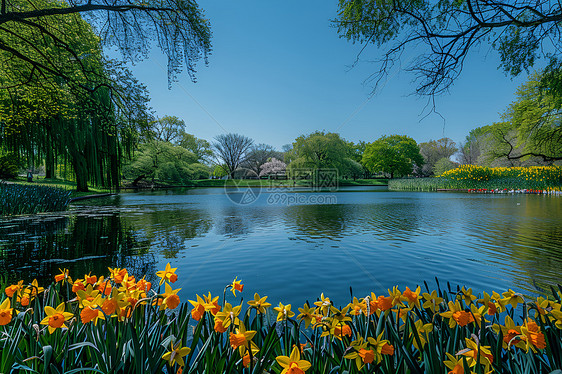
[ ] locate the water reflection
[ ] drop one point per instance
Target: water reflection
(88, 241)
(368, 239)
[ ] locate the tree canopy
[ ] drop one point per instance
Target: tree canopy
(394, 154)
(178, 27)
(443, 33)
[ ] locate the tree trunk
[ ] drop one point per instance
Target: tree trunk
(50, 163)
(80, 171)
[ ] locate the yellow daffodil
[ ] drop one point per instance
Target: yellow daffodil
(512, 298)
(229, 315)
(293, 364)
(323, 304)
(168, 274)
(176, 354)
(307, 315)
(56, 318)
(283, 312)
(259, 304)
(357, 307)
(423, 331)
(212, 304)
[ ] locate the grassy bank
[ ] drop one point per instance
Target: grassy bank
(471, 177)
(118, 324)
(283, 183)
(30, 199)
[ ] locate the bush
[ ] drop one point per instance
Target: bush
(9, 166)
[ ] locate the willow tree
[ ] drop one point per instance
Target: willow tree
(176, 26)
(88, 121)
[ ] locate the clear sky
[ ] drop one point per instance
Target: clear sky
(279, 70)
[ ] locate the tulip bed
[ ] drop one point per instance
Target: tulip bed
(119, 324)
(472, 177)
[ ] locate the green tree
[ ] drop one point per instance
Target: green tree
(166, 162)
(442, 34)
(433, 151)
(89, 121)
(394, 155)
(319, 150)
(532, 126)
(199, 147)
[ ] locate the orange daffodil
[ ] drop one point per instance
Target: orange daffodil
(171, 299)
(236, 285)
(293, 364)
(56, 318)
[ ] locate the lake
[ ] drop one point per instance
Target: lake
(294, 244)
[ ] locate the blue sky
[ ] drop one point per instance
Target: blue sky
(279, 70)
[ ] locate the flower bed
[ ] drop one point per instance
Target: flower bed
(472, 177)
(122, 324)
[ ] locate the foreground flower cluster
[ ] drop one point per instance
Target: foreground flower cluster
(119, 323)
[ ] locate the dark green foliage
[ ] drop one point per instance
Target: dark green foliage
(9, 166)
(25, 199)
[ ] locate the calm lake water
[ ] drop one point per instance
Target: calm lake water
(293, 246)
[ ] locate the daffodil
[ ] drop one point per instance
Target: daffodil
(412, 297)
(357, 307)
(259, 304)
(240, 337)
(168, 274)
(456, 315)
(212, 304)
(307, 315)
(293, 364)
(171, 299)
(361, 354)
(198, 308)
(56, 318)
(336, 329)
(512, 298)
(283, 312)
(176, 354)
(422, 331)
(466, 295)
(63, 276)
(92, 310)
(236, 285)
(5, 312)
(476, 351)
(380, 346)
(229, 315)
(532, 335)
(323, 304)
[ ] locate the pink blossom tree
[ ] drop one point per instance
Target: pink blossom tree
(274, 166)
